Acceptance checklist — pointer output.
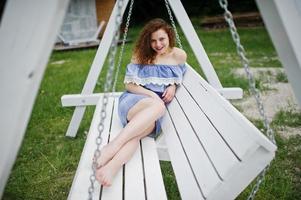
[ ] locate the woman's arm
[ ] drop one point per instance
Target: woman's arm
(137, 89)
(179, 56)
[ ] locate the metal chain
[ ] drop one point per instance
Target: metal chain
(107, 86)
(123, 44)
(173, 24)
(254, 91)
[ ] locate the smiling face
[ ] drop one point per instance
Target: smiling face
(156, 38)
(160, 41)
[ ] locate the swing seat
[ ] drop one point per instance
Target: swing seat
(214, 150)
(139, 178)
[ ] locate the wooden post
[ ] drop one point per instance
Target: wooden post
(95, 70)
(283, 22)
(27, 34)
(195, 43)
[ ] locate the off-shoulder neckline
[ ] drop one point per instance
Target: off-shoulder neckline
(158, 64)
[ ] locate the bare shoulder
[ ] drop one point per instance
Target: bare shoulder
(179, 55)
(134, 59)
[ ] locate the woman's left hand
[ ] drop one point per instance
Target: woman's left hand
(169, 93)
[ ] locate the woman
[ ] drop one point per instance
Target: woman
(150, 81)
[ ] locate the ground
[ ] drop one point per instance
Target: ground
(277, 96)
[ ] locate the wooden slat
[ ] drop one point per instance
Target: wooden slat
(216, 99)
(134, 179)
(153, 178)
(243, 175)
(202, 167)
(187, 184)
(234, 133)
(83, 99)
(195, 43)
(114, 192)
(81, 182)
(220, 154)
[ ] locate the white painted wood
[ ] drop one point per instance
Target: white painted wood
(83, 99)
(216, 99)
(236, 175)
(242, 175)
(114, 192)
(153, 177)
(203, 170)
(75, 121)
(27, 34)
(81, 181)
(162, 148)
(186, 181)
(134, 178)
(212, 142)
(134, 170)
(233, 134)
(204, 165)
(231, 93)
(95, 69)
(283, 22)
(238, 135)
(79, 100)
(163, 153)
(195, 42)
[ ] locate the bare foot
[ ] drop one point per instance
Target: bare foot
(107, 153)
(106, 174)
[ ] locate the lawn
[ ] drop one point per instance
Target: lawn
(47, 160)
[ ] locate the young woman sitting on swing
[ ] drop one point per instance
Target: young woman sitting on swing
(156, 67)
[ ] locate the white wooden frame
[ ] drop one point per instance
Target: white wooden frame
(27, 34)
(103, 50)
(283, 22)
(214, 150)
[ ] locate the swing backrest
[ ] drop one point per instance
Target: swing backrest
(214, 150)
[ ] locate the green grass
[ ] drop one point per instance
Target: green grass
(281, 77)
(290, 117)
(47, 160)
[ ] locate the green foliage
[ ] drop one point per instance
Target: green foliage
(169, 181)
(281, 77)
(288, 117)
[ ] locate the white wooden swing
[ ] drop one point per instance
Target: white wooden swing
(214, 150)
(24, 55)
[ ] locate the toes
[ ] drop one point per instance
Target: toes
(106, 183)
(99, 176)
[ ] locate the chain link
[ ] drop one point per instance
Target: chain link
(107, 86)
(252, 87)
(123, 44)
(173, 24)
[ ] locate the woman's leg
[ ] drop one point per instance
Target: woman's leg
(140, 117)
(106, 173)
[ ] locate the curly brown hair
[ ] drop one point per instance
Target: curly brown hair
(143, 52)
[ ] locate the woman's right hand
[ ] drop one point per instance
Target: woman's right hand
(141, 90)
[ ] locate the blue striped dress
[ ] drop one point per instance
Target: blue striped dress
(155, 77)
